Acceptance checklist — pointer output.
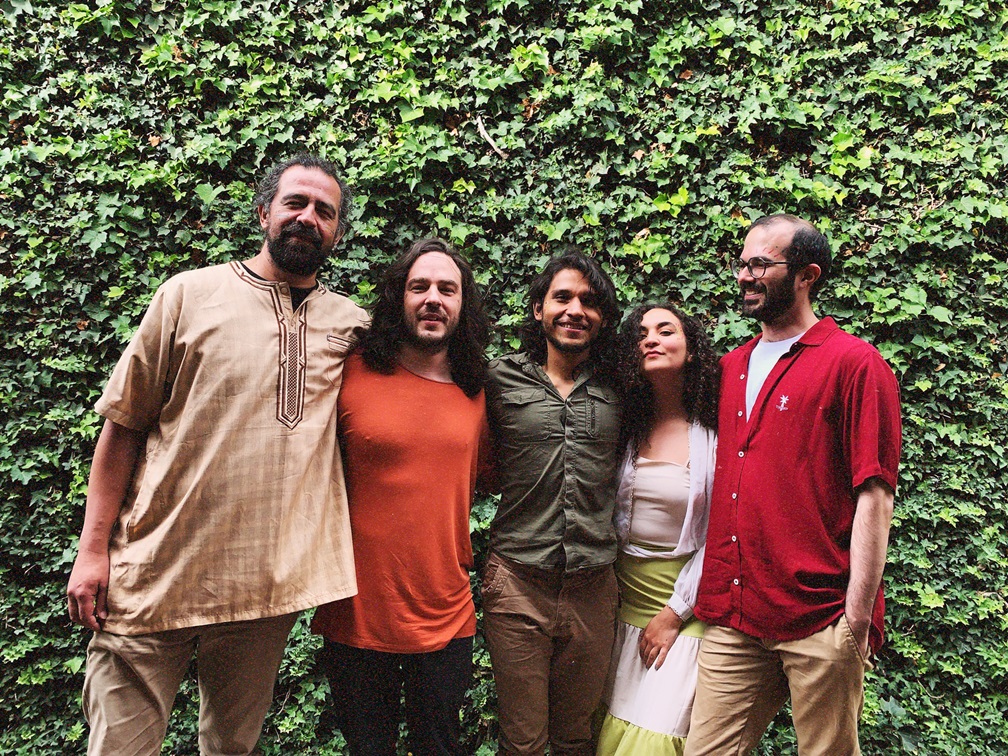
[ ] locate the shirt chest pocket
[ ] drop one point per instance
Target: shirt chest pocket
(602, 414)
(338, 347)
(525, 415)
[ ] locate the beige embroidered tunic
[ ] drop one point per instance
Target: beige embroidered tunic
(237, 509)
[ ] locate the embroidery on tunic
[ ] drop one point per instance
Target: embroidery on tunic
(293, 358)
(293, 364)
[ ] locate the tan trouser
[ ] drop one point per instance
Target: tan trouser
(131, 682)
(743, 682)
(550, 636)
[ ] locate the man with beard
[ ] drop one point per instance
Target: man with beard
(549, 590)
(412, 423)
(216, 509)
(808, 449)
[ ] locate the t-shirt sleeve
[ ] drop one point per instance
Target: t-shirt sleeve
(872, 425)
(141, 381)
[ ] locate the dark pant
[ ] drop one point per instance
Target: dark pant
(368, 686)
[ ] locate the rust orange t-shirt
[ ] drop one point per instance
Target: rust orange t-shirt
(411, 449)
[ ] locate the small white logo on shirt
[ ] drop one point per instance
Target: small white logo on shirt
(783, 403)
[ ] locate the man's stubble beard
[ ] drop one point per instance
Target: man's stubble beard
(566, 347)
(777, 300)
(428, 344)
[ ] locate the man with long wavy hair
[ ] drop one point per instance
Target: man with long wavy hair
(549, 590)
(412, 422)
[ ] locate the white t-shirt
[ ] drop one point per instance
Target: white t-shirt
(762, 360)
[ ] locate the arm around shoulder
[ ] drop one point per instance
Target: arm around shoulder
(111, 474)
(486, 469)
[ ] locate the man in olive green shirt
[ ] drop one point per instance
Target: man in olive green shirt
(549, 592)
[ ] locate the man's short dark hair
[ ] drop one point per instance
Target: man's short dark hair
(380, 344)
(603, 352)
(270, 183)
(808, 246)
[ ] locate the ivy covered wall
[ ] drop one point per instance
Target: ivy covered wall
(649, 133)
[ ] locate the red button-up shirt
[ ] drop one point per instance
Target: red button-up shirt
(778, 546)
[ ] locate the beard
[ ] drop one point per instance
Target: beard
(297, 249)
(567, 347)
(778, 298)
(428, 342)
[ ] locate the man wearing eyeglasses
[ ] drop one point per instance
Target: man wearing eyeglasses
(808, 447)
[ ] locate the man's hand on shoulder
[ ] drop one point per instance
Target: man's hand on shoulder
(87, 590)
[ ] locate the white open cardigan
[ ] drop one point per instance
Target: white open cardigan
(703, 445)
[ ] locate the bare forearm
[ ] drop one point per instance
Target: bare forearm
(869, 542)
(111, 474)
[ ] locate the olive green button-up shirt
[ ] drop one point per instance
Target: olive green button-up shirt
(556, 462)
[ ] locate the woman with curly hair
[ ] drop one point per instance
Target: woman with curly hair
(670, 376)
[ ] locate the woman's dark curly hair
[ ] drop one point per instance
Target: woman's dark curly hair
(380, 344)
(701, 375)
(602, 351)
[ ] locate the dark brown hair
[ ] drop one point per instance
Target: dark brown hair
(701, 375)
(467, 346)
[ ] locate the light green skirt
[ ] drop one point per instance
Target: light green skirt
(645, 586)
(648, 710)
(620, 738)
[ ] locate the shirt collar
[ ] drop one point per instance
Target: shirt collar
(532, 368)
(814, 336)
(817, 334)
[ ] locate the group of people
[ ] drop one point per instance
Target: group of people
(682, 543)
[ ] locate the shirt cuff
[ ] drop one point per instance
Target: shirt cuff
(680, 607)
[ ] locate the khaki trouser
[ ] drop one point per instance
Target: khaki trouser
(743, 682)
(131, 682)
(550, 636)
